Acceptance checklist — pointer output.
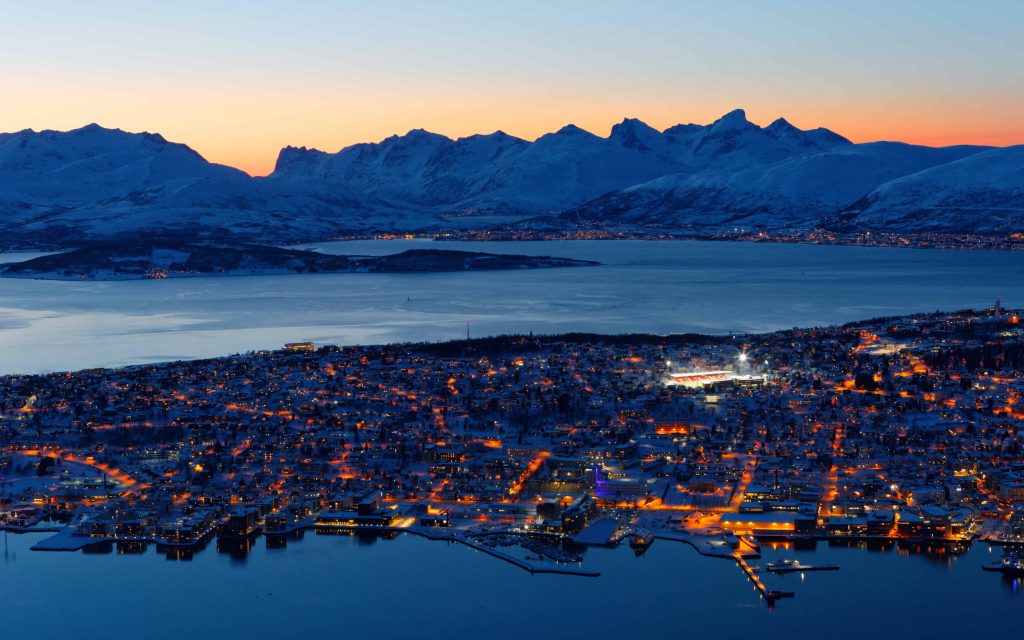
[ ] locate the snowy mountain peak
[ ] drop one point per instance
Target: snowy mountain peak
(732, 121)
(636, 134)
(571, 130)
(781, 126)
(94, 150)
(96, 130)
(423, 134)
(415, 137)
(632, 124)
(823, 136)
(290, 159)
(683, 130)
(90, 128)
(155, 138)
(498, 137)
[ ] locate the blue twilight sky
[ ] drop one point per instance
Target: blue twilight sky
(239, 80)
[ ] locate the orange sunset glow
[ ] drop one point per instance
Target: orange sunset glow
(244, 84)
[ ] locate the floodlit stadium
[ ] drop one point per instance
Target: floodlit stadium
(699, 379)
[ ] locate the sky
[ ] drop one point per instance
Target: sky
(237, 81)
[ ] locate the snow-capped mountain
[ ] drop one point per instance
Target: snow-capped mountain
(63, 188)
(792, 192)
(983, 192)
(557, 171)
(485, 172)
(55, 166)
(93, 183)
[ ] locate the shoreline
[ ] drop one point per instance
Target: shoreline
(67, 541)
(867, 239)
(510, 340)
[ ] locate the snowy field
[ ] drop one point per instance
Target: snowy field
(642, 286)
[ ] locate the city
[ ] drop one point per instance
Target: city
(905, 429)
(583, 320)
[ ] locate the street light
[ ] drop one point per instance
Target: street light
(743, 356)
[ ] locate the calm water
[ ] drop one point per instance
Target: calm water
(335, 586)
(330, 586)
(656, 287)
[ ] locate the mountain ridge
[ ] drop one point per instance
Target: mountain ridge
(90, 183)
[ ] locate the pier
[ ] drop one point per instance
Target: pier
(770, 595)
(523, 564)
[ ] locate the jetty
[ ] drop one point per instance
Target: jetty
(770, 595)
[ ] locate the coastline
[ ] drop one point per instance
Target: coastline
(950, 241)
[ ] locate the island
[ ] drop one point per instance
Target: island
(155, 260)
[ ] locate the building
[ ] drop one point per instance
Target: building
(698, 379)
(365, 513)
(765, 523)
(577, 514)
(240, 523)
(621, 490)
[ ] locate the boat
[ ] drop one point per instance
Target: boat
(793, 566)
(751, 542)
(1012, 564)
(641, 539)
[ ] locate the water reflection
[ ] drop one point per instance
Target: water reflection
(9, 556)
(98, 548)
(804, 544)
(277, 542)
(236, 548)
(880, 545)
(363, 537)
(131, 548)
(176, 553)
(281, 540)
(673, 586)
(941, 553)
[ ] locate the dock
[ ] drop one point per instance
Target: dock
(770, 595)
(523, 564)
(598, 533)
(711, 546)
(69, 540)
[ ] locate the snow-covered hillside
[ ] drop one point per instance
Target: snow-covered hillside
(983, 192)
(794, 192)
(93, 183)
